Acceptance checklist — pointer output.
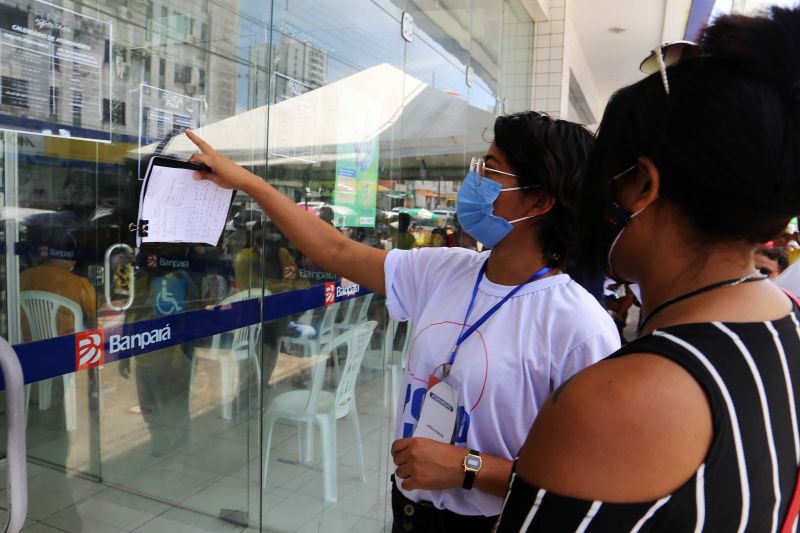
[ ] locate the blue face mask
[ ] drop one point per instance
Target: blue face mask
(474, 209)
(616, 220)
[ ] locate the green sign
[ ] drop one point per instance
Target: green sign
(356, 184)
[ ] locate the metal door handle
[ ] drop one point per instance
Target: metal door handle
(15, 435)
(108, 275)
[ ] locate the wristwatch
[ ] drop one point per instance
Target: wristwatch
(472, 464)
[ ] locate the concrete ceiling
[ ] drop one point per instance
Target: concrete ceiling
(613, 55)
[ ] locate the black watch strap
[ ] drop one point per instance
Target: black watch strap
(469, 475)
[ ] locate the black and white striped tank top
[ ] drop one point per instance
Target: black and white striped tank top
(751, 375)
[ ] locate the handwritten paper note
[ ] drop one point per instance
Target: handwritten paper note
(179, 208)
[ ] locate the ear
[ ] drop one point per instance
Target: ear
(539, 204)
(646, 186)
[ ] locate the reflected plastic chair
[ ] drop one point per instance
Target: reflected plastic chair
(312, 345)
(41, 309)
(350, 317)
(243, 347)
(324, 408)
(395, 361)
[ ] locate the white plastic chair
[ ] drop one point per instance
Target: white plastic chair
(41, 309)
(350, 317)
(312, 345)
(324, 408)
(243, 347)
(394, 362)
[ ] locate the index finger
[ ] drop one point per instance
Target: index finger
(400, 445)
(200, 143)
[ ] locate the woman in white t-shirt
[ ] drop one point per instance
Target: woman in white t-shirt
(494, 332)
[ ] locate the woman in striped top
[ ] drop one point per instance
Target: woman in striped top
(693, 426)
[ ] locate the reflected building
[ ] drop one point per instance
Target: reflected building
(186, 49)
(297, 67)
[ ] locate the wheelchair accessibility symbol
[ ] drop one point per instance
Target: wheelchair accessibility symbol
(169, 296)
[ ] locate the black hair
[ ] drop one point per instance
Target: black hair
(551, 156)
(777, 255)
(725, 139)
(326, 213)
(403, 221)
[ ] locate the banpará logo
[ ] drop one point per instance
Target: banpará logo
(352, 290)
(330, 293)
(316, 275)
(173, 263)
(89, 349)
(118, 343)
(154, 262)
(60, 254)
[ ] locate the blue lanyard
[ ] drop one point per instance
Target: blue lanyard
(465, 335)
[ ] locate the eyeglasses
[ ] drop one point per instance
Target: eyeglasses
(624, 172)
(614, 182)
(667, 55)
(478, 165)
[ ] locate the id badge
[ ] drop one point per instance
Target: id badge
(437, 421)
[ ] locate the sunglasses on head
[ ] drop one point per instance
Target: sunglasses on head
(667, 55)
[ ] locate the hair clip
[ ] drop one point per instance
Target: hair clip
(667, 55)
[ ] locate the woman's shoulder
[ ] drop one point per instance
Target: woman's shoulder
(563, 300)
(439, 260)
(634, 428)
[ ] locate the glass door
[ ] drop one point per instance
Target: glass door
(145, 364)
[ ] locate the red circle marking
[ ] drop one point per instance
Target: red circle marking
(485, 353)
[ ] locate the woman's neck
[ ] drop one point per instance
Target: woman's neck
(666, 278)
(512, 265)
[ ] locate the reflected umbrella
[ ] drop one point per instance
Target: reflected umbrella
(420, 213)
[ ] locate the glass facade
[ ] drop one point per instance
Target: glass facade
(209, 409)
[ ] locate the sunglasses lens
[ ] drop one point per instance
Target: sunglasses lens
(477, 166)
(674, 53)
(765, 271)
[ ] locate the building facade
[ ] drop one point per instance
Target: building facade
(361, 108)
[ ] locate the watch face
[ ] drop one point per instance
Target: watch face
(472, 462)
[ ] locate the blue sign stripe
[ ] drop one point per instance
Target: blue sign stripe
(56, 357)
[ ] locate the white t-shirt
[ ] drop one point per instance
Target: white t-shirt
(504, 371)
(790, 279)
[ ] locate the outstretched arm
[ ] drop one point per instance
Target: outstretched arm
(313, 236)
